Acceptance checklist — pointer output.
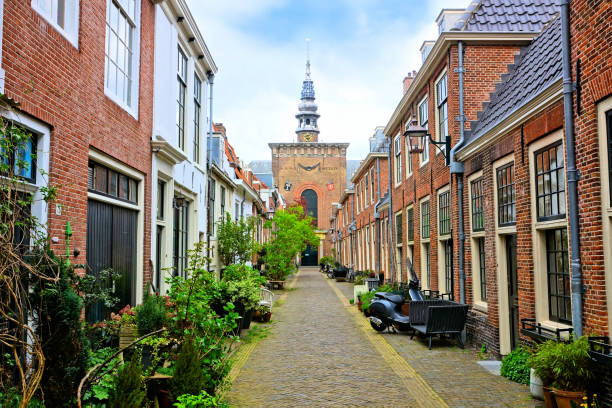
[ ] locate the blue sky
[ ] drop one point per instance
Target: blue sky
(360, 52)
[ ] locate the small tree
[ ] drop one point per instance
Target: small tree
(129, 388)
(292, 233)
(235, 240)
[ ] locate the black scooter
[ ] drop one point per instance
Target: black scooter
(386, 308)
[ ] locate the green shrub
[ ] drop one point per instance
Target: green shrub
(243, 285)
(151, 315)
(189, 377)
(128, 387)
(515, 366)
(11, 398)
(100, 391)
(366, 300)
(202, 400)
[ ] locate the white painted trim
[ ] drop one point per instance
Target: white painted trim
(540, 277)
(437, 136)
(73, 38)
(474, 249)
(606, 218)
(132, 110)
(114, 164)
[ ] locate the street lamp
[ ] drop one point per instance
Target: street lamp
(417, 135)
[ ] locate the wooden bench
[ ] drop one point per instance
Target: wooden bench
(266, 298)
(440, 319)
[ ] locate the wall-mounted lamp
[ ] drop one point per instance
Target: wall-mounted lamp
(416, 135)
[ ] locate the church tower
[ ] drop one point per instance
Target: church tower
(307, 130)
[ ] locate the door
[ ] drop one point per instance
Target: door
(111, 243)
(310, 256)
(512, 290)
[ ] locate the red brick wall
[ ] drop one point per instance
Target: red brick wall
(591, 42)
(64, 87)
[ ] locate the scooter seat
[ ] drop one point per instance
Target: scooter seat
(397, 299)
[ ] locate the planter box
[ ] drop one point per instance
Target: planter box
(358, 290)
(127, 335)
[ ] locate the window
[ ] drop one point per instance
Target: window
(106, 181)
(61, 14)
(477, 205)
(211, 216)
(423, 120)
(550, 182)
(506, 196)
(441, 98)
(197, 109)
(372, 185)
(410, 224)
(222, 199)
(448, 266)
(398, 228)
(121, 74)
(482, 268)
(181, 234)
(367, 190)
(398, 159)
(425, 219)
(609, 131)
(181, 76)
(161, 191)
(358, 196)
(558, 275)
(427, 264)
(444, 210)
(236, 211)
(21, 156)
(159, 237)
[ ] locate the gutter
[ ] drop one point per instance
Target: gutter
(377, 216)
(572, 174)
(211, 82)
(390, 214)
(458, 168)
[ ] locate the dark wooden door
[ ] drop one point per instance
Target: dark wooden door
(111, 243)
(310, 256)
(512, 290)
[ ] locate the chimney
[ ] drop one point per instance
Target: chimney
(408, 80)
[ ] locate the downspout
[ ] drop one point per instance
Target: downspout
(211, 80)
(572, 173)
(391, 218)
(458, 168)
(352, 232)
(377, 215)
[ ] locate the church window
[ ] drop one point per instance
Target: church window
(308, 121)
(311, 201)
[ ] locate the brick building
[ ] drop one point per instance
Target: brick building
(489, 38)
(86, 94)
(310, 171)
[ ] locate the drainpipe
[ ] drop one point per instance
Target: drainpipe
(377, 215)
(572, 173)
(352, 232)
(391, 217)
(458, 168)
(211, 80)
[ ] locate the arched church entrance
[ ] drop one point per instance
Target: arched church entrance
(310, 256)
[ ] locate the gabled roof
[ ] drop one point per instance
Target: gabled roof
(537, 67)
(507, 15)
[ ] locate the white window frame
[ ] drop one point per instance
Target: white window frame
(442, 239)
(133, 109)
(72, 35)
(439, 135)
(475, 260)
(423, 243)
(424, 156)
(397, 160)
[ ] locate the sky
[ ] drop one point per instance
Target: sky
(360, 51)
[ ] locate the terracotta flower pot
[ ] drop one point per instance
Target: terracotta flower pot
(359, 305)
(162, 399)
(549, 398)
(266, 317)
(564, 398)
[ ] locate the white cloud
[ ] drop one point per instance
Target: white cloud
(358, 79)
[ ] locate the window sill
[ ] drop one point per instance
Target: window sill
(507, 230)
(445, 237)
(425, 240)
(551, 325)
(609, 211)
(478, 234)
(481, 306)
(562, 222)
(424, 163)
(72, 38)
(133, 112)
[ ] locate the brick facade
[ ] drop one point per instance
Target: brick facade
(63, 86)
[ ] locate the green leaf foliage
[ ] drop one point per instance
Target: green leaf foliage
(515, 366)
(189, 376)
(235, 240)
(128, 387)
(292, 232)
(243, 285)
(151, 315)
(202, 400)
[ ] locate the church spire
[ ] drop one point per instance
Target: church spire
(307, 117)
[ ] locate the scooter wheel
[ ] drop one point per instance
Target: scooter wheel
(380, 328)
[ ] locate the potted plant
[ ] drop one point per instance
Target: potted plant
(542, 364)
(243, 289)
(573, 371)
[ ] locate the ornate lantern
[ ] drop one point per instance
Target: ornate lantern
(416, 136)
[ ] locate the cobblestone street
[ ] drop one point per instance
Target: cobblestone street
(321, 352)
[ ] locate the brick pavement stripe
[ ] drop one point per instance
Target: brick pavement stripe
(424, 395)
